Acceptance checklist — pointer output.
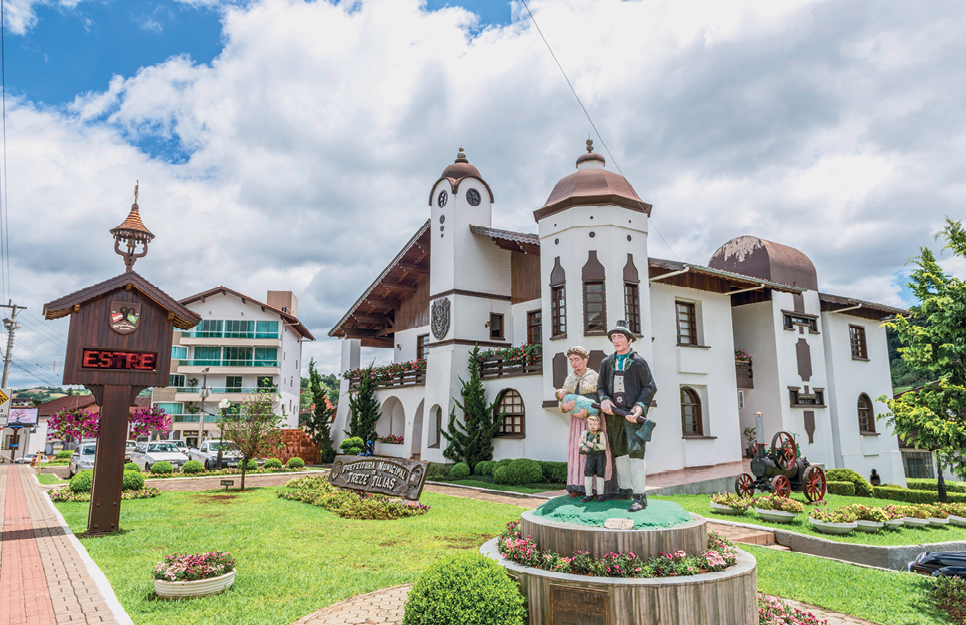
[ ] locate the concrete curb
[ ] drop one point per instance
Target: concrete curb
(100, 580)
(490, 491)
(886, 558)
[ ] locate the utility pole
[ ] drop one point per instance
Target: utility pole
(204, 396)
(10, 324)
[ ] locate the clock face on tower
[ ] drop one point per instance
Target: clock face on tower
(441, 200)
(473, 197)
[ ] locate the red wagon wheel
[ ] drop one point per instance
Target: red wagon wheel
(784, 450)
(745, 485)
(781, 486)
(815, 483)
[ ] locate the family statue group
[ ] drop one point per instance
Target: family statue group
(607, 454)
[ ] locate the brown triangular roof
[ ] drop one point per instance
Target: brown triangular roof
(224, 290)
(183, 318)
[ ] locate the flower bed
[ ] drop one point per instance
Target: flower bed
(348, 504)
(60, 495)
(514, 547)
(525, 353)
(182, 567)
(774, 611)
(777, 504)
(233, 471)
(737, 503)
(392, 439)
(949, 594)
(389, 372)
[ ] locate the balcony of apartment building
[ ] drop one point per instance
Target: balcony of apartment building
(233, 333)
(225, 359)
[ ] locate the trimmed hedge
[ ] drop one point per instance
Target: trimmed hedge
(524, 471)
(251, 465)
(896, 493)
(192, 466)
(438, 469)
(82, 482)
(842, 488)
(862, 486)
(554, 472)
(272, 463)
(465, 589)
(162, 467)
(63, 455)
(352, 446)
(501, 475)
(460, 470)
(933, 485)
(295, 463)
(130, 466)
(484, 467)
(132, 480)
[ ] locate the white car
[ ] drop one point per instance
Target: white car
(82, 459)
(181, 445)
(207, 454)
(147, 453)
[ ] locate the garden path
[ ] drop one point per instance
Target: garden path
(44, 576)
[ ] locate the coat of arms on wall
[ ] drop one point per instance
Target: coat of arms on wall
(125, 317)
(440, 318)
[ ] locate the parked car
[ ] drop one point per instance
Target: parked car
(181, 445)
(147, 453)
(29, 459)
(82, 459)
(207, 454)
(938, 563)
(128, 448)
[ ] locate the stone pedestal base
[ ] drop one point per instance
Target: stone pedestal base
(725, 598)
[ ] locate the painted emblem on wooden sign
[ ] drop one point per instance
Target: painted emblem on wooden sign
(125, 317)
(440, 318)
(394, 477)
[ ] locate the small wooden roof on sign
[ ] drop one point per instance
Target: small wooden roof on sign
(183, 318)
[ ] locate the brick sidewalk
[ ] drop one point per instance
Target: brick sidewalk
(43, 577)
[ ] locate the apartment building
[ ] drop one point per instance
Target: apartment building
(241, 346)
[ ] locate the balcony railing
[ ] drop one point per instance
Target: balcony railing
(227, 334)
(215, 362)
(497, 367)
(403, 378)
(224, 389)
(194, 418)
(745, 374)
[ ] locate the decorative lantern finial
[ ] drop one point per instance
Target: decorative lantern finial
(131, 232)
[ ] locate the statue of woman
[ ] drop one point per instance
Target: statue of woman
(583, 382)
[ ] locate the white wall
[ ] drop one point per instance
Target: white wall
(406, 340)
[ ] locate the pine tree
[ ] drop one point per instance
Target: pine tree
(471, 439)
(319, 423)
(364, 408)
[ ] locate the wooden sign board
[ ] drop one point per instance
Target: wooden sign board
(394, 477)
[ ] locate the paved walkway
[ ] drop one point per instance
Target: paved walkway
(44, 579)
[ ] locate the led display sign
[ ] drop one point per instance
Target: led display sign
(119, 360)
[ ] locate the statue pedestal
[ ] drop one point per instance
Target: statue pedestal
(727, 597)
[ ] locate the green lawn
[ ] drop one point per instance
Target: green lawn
(49, 478)
(699, 504)
(478, 481)
(292, 558)
(879, 596)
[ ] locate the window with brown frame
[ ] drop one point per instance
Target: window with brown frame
(496, 325)
(691, 424)
(866, 418)
(857, 340)
(535, 327)
(687, 324)
(558, 312)
(595, 314)
(514, 423)
(797, 398)
(632, 306)
(422, 344)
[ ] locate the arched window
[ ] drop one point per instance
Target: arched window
(514, 424)
(866, 418)
(691, 424)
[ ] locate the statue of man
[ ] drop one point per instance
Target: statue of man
(625, 389)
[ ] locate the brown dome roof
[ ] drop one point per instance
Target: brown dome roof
(133, 227)
(763, 259)
(592, 186)
(455, 173)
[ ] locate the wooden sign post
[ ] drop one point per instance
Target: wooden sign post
(119, 343)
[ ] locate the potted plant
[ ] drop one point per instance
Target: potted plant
(777, 509)
(185, 575)
(915, 516)
(838, 521)
(867, 518)
(894, 517)
(957, 513)
(729, 503)
(938, 516)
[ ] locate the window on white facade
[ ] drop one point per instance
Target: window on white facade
(179, 353)
(176, 380)
(514, 423)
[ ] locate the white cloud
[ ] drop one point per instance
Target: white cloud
(313, 138)
(20, 15)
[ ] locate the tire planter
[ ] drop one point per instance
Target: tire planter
(914, 522)
(934, 522)
(958, 521)
(832, 528)
(893, 524)
(776, 516)
(722, 509)
(868, 526)
(193, 588)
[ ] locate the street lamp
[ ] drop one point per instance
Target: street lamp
(224, 404)
(205, 391)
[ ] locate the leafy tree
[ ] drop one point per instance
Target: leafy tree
(364, 408)
(319, 422)
(255, 428)
(934, 416)
(471, 438)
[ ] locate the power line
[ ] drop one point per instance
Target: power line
(44, 333)
(592, 125)
(50, 328)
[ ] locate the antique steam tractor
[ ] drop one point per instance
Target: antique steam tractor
(780, 470)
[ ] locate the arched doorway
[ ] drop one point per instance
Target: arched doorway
(393, 418)
(417, 435)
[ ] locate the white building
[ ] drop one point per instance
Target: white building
(241, 346)
(819, 361)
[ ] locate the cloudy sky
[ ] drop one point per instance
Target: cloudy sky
(283, 144)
